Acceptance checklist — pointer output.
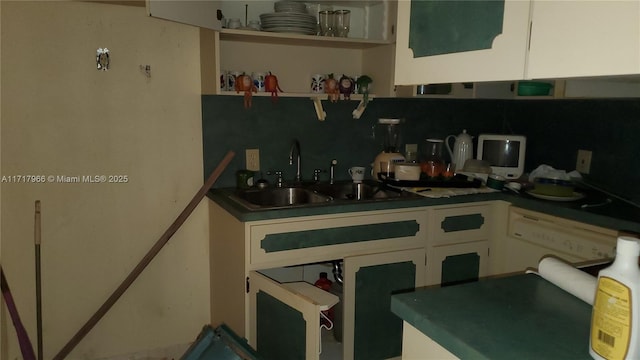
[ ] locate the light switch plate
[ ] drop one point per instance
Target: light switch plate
(583, 163)
(253, 159)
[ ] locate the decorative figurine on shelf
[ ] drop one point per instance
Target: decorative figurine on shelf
(245, 83)
(271, 85)
(331, 88)
(346, 86)
(363, 87)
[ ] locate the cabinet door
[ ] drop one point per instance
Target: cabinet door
(497, 54)
(584, 38)
(371, 330)
(285, 318)
(202, 13)
(459, 263)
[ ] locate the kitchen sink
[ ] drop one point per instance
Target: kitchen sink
(314, 194)
(346, 190)
(280, 197)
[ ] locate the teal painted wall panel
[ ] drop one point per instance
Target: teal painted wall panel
(378, 332)
(608, 127)
(462, 222)
(458, 269)
(450, 26)
(341, 235)
(281, 329)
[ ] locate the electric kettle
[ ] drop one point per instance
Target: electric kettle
(462, 149)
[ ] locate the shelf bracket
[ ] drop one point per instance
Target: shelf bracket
(360, 108)
(317, 103)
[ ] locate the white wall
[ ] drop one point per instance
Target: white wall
(61, 116)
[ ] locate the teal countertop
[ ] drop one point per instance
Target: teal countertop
(516, 317)
(617, 215)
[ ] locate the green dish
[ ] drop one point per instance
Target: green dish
(533, 88)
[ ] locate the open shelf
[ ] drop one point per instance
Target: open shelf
(299, 39)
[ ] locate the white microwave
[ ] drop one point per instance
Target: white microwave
(504, 153)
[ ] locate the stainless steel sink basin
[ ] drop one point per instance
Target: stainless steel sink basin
(314, 194)
(346, 191)
(280, 197)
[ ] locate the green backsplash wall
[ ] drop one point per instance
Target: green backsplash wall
(555, 130)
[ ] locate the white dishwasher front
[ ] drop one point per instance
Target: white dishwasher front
(533, 235)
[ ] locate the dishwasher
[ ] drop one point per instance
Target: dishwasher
(532, 235)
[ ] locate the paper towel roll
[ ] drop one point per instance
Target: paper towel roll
(565, 276)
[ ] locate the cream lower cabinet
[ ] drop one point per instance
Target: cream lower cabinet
(459, 242)
(383, 252)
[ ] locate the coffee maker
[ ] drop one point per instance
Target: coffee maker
(390, 146)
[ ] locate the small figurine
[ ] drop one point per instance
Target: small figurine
(245, 83)
(317, 84)
(271, 85)
(363, 87)
(346, 86)
(331, 88)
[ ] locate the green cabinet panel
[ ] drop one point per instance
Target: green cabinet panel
(450, 26)
(340, 235)
(378, 332)
(461, 268)
(281, 331)
(462, 222)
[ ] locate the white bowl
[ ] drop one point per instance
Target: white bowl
(407, 171)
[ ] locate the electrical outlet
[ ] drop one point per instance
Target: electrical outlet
(583, 164)
(253, 159)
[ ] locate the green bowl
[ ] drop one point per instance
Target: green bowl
(533, 88)
(553, 187)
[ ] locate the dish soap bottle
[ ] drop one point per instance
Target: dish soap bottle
(615, 320)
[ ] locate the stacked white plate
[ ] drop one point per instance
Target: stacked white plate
(290, 6)
(290, 17)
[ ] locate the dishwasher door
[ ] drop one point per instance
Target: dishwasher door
(533, 235)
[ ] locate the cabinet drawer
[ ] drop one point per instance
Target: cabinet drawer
(459, 224)
(318, 238)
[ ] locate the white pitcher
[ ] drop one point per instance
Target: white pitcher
(462, 149)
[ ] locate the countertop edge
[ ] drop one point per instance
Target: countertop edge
(221, 197)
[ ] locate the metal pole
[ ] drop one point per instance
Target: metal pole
(155, 249)
(37, 238)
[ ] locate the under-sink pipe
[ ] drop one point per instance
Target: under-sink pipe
(337, 271)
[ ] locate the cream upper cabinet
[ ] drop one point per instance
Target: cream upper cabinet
(479, 45)
(538, 39)
(202, 13)
(584, 38)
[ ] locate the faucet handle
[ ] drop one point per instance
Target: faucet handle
(332, 170)
(316, 174)
(278, 174)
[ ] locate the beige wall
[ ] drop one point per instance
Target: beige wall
(60, 116)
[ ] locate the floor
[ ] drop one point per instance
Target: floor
(331, 349)
(168, 353)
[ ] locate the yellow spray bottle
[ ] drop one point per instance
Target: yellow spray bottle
(615, 320)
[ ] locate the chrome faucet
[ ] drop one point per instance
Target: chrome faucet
(295, 146)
